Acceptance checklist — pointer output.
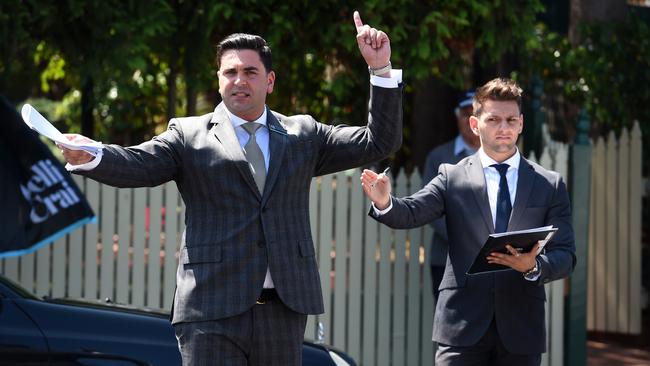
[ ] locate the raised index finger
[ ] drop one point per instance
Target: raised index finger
(357, 20)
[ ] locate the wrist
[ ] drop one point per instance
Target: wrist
(382, 205)
(381, 70)
(533, 270)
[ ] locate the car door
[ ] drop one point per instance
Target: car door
(21, 341)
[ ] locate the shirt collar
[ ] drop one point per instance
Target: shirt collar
(236, 121)
(460, 146)
(486, 161)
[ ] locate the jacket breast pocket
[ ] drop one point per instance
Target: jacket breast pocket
(306, 248)
(200, 254)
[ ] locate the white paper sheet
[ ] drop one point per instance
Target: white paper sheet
(40, 124)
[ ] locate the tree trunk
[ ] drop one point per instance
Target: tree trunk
(87, 104)
(171, 85)
(191, 95)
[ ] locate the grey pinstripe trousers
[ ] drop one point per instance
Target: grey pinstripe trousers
(269, 334)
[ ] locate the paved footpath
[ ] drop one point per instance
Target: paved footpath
(609, 353)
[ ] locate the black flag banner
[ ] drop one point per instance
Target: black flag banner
(39, 201)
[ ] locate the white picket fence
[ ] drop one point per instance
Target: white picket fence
(378, 301)
(614, 263)
(376, 285)
(375, 282)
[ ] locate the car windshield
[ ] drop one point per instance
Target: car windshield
(16, 288)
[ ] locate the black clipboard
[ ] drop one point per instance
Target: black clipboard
(522, 240)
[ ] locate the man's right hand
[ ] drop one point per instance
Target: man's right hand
(373, 44)
(76, 157)
(377, 187)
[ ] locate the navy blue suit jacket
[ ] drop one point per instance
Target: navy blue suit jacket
(468, 303)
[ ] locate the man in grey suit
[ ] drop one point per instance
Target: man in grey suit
(248, 276)
(495, 318)
(465, 144)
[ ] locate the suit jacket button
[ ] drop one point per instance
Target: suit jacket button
(261, 244)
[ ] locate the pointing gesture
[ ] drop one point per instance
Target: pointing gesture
(373, 44)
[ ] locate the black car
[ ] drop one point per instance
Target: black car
(59, 332)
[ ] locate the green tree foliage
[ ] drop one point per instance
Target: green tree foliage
(18, 73)
(93, 47)
(137, 63)
(606, 74)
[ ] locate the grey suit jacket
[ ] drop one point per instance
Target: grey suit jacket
(439, 242)
(467, 304)
(232, 232)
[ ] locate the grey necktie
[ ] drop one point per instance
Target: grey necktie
(254, 155)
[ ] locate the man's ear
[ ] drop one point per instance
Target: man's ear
(473, 124)
(270, 78)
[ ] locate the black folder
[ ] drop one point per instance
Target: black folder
(522, 240)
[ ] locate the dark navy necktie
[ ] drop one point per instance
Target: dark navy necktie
(504, 207)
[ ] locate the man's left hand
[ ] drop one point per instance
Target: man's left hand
(521, 262)
(373, 44)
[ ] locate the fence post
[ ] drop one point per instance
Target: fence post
(580, 178)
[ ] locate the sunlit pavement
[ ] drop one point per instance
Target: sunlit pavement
(620, 349)
(612, 354)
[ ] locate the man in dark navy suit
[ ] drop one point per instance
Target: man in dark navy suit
(495, 318)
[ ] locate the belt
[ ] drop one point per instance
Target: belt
(267, 294)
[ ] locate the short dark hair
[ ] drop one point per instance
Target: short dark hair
(243, 41)
(501, 89)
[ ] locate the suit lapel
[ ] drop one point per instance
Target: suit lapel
(478, 186)
(225, 133)
(524, 189)
(277, 147)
